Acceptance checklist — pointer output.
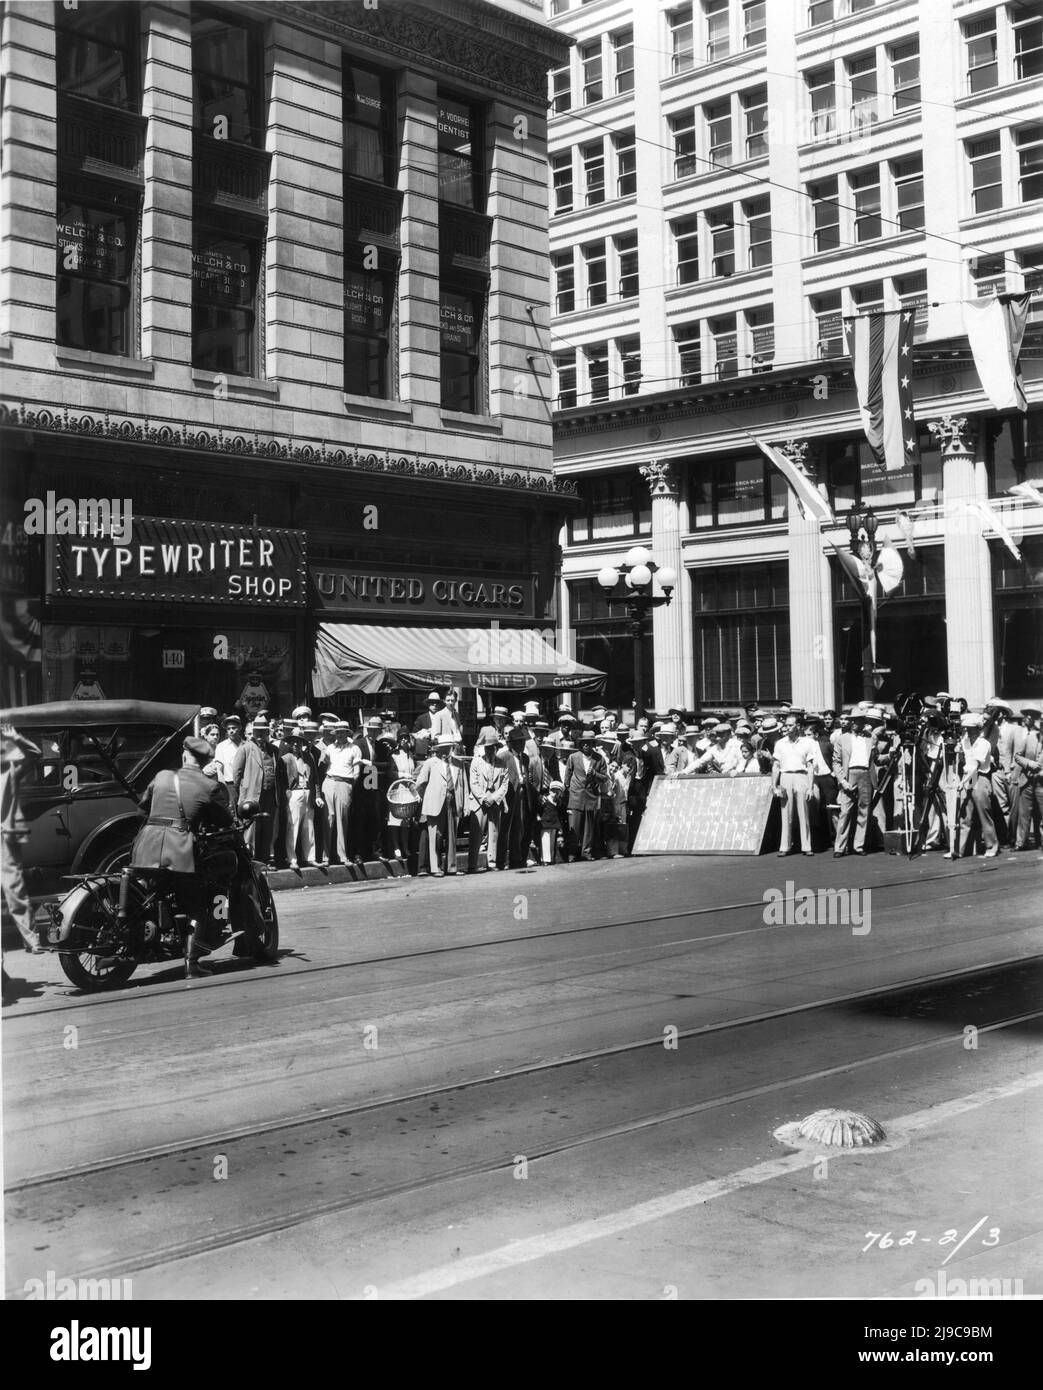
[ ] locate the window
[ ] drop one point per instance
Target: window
(826, 213)
(755, 107)
(1027, 23)
(565, 374)
(822, 91)
(224, 300)
(630, 360)
(1031, 263)
(626, 255)
(686, 241)
(368, 125)
(911, 291)
(1029, 145)
(688, 339)
(986, 174)
(718, 29)
(623, 56)
(861, 75)
(561, 90)
(97, 238)
(868, 299)
(682, 36)
(459, 152)
(754, 30)
(461, 314)
(761, 326)
(559, 6)
(593, 156)
(597, 370)
(821, 12)
(96, 53)
(829, 325)
(742, 623)
(982, 69)
(561, 178)
(597, 273)
(719, 132)
(616, 505)
(758, 227)
(721, 226)
(682, 128)
(989, 276)
(590, 62)
(626, 164)
(905, 75)
(226, 79)
(564, 282)
(908, 178)
(369, 298)
(865, 190)
(725, 346)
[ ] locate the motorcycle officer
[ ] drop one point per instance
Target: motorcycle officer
(178, 804)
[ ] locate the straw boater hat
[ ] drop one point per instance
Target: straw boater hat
(433, 697)
(770, 725)
(300, 712)
(667, 731)
(565, 716)
(541, 726)
(722, 728)
(374, 722)
(587, 736)
(445, 741)
(971, 720)
(487, 737)
(501, 712)
(339, 724)
(232, 719)
(307, 727)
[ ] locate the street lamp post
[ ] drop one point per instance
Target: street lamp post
(862, 524)
(629, 586)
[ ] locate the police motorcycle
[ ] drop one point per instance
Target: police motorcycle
(99, 946)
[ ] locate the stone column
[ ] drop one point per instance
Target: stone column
(669, 619)
(968, 565)
(812, 663)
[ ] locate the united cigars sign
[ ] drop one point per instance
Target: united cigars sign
(184, 562)
(366, 589)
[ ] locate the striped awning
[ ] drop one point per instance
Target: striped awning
(360, 656)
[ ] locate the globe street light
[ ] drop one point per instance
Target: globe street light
(629, 586)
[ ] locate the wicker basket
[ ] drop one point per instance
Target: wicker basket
(403, 801)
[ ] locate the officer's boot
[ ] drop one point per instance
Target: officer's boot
(195, 966)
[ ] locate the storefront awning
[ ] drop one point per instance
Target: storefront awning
(357, 656)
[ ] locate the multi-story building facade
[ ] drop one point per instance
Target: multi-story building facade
(274, 273)
(729, 180)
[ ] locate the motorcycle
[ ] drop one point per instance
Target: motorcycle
(98, 949)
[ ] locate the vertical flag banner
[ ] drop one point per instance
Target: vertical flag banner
(995, 328)
(881, 348)
(811, 501)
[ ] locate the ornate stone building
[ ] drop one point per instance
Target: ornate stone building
(729, 180)
(274, 274)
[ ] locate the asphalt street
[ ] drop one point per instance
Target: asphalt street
(554, 1084)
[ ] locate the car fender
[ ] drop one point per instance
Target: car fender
(127, 821)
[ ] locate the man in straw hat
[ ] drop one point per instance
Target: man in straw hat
(255, 778)
(1028, 780)
(340, 773)
(976, 789)
(442, 788)
(487, 793)
(585, 779)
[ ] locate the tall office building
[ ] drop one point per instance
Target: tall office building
(274, 274)
(729, 182)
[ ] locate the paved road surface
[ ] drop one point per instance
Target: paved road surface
(555, 1084)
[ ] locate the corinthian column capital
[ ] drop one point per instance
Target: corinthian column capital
(953, 433)
(662, 478)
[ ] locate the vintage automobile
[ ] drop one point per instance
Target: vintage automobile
(79, 797)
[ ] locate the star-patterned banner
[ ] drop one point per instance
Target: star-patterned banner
(881, 348)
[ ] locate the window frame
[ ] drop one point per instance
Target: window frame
(1032, 147)
(683, 132)
(623, 76)
(253, 85)
(384, 339)
(592, 72)
(905, 179)
(978, 162)
(386, 129)
(682, 56)
(445, 101)
(477, 294)
(624, 148)
(563, 163)
(217, 228)
(757, 216)
(862, 182)
(684, 241)
(820, 201)
(563, 266)
(70, 30)
(101, 199)
(595, 253)
(594, 191)
(624, 251)
(755, 122)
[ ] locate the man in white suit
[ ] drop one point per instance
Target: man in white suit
(443, 789)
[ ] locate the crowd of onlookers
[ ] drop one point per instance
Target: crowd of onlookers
(527, 789)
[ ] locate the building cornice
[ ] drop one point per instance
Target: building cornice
(495, 47)
(316, 454)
